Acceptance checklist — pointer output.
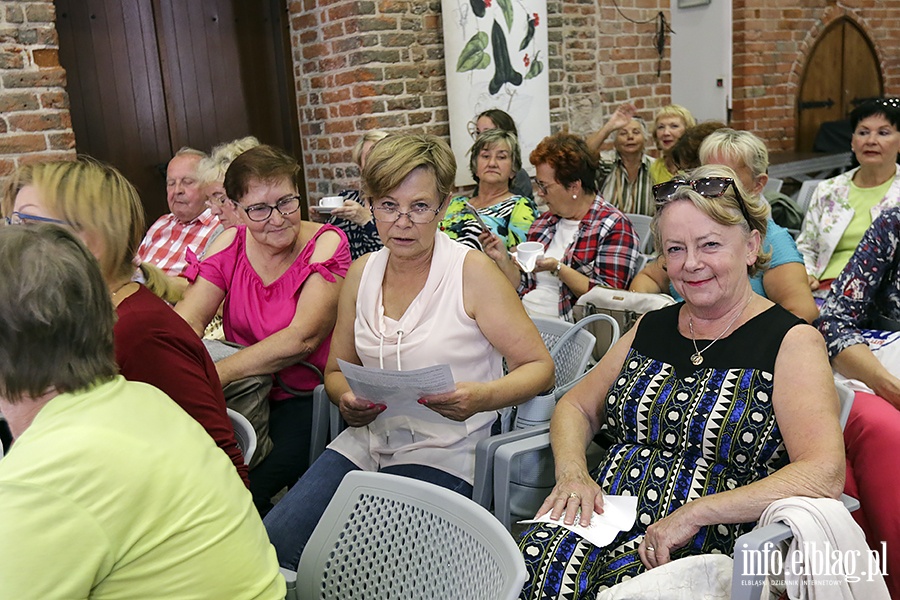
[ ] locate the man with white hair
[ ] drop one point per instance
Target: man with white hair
(189, 225)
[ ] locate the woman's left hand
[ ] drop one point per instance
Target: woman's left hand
(353, 211)
(459, 404)
(665, 536)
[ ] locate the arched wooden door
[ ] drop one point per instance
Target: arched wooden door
(841, 71)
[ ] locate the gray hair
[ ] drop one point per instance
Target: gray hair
(56, 314)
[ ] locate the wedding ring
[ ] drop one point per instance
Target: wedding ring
(651, 549)
(573, 495)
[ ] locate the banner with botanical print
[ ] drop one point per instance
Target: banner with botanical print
(496, 57)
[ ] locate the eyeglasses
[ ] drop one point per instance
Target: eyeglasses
(389, 214)
(217, 200)
(541, 186)
(708, 187)
(260, 212)
(18, 218)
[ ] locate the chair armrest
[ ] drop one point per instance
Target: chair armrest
(503, 459)
(484, 460)
(849, 502)
(318, 437)
(749, 569)
(290, 580)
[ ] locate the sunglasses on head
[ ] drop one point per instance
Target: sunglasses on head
(708, 187)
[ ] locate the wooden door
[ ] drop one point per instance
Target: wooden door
(146, 78)
(842, 70)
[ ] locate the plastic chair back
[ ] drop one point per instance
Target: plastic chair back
(243, 433)
(804, 196)
(570, 358)
(390, 537)
(641, 224)
(773, 185)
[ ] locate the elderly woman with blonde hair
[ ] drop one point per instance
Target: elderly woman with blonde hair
(669, 125)
(717, 406)
(152, 343)
(211, 173)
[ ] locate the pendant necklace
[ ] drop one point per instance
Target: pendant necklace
(697, 356)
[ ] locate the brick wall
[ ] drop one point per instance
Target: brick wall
(379, 64)
(34, 107)
(772, 44)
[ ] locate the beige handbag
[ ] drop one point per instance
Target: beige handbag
(623, 306)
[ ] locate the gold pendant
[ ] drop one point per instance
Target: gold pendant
(697, 359)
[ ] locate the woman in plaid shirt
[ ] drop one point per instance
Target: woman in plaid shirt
(586, 240)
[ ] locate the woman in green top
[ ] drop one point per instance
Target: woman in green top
(843, 207)
(495, 160)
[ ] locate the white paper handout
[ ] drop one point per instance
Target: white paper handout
(400, 390)
(619, 513)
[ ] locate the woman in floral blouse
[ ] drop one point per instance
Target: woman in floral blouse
(843, 207)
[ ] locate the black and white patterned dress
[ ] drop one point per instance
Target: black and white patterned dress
(363, 238)
(680, 432)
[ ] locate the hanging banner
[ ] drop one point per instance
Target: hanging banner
(496, 57)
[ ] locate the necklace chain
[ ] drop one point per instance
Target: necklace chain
(697, 356)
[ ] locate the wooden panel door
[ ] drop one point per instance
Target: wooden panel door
(146, 78)
(115, 90)
(842, 70)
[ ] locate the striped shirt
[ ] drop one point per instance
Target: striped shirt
(631, 197)
(168, 239)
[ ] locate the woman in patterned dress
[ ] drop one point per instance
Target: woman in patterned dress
(717, 407)
(495, 160)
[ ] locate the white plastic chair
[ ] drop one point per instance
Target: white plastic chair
(390, 537)
(773, 185)
(641, 225)
(244, 433)
(804, 196)
(533, 475)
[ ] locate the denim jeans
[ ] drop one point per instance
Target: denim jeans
(291, 523)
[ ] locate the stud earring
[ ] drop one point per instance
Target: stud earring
(574, 196)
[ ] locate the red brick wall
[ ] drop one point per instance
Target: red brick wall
(379, 64)
(772, 44)
(34, 106)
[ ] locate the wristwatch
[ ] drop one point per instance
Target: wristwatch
(555, 271)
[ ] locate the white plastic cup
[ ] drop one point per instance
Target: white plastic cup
(332, 201)
(527, 255)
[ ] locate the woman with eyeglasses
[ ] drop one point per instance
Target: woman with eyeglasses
(744, 155)
(717, 406)
(843, 207)
(495, 158)
(152, 344)
(279, 277)
(586, 240)
(423, 300)
(494, 118)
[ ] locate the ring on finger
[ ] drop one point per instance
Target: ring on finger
(650, 548)
(573, 495)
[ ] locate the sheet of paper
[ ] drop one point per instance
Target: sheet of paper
(400, 390)
(619, 513)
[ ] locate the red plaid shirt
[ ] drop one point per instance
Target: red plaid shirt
(605, 250)
(168, 239)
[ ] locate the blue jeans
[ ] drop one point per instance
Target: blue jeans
(291, 523)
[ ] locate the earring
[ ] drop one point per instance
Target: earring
(574, 196)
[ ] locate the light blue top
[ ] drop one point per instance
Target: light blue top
(780, 243)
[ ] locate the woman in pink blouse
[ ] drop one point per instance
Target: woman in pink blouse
(279, 277)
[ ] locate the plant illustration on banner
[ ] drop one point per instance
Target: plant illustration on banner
(475, 56)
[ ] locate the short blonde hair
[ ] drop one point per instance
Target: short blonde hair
(376, 135)
(96, 199)
(674, 110)
(725, 209)
(395, 157)
(212, 168)
(737, 147)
